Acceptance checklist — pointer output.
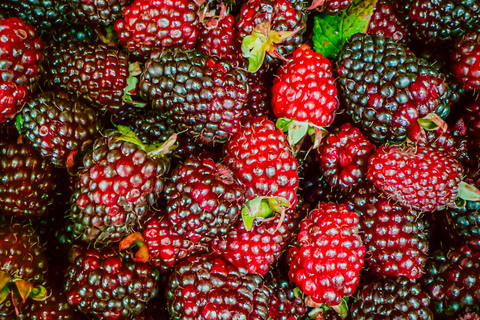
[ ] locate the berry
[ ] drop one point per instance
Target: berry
(98, 12)
(386, 88)
(465, 58)
(109, 286)
(209, 287)
(343, 157)
(386, 21)
(148, 25)
(326, 259)
(27, 181)
(59, 126)
(422, 178)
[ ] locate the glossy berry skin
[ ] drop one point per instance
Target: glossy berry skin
(166, 247)
(283, 15)
(387, 22)
(203, 287)
(440, 21)
(304, 89)
(259, 156)
(327, 256)
(203, 200)
(59, 126)
(55, 307)
(335, 6)
(395, 237)
(422, 178)
(94, 72)
(343, 157)
(204, 96)
(109, 286)
(451, 280)
(99, 12)
(115, 189)
(285, 301)
(465, 58)
(22, 257)
(386, 88)
(256, 251)
(148, 25)
(27, 181)
(391, 298)
(21, 54)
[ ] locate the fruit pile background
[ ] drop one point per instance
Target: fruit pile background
(234, 159)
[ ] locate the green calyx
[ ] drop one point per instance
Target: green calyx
(319, 309)
(25, 289)
(132, 81)
(297, 130)
(433, 122)
(262, 208)
(468, 192)
(263, 40)
(19, 123)
(152, 150)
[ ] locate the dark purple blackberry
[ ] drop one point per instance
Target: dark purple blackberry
(386, 88)
(286, 302)
(440, 21)
(451, 280)
(58, 126)
(205, 96)
(27, 181)
(209, 286)
(99, 12)
(391, 298)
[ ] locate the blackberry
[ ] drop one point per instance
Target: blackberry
(27, 181)
(451, 280)
(99, 12)
(209, 286)
(205, 96)
(386, 88)
(286, 302)
(108, 285)
(465, 59)
(59, 126)
(118, 184)
(440, 21)
(94, 72)
(386, 21)
(391, 298)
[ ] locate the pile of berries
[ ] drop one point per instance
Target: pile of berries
(239, 159)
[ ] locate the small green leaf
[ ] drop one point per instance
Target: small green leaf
(330, 32)
(19, 123)
(282, 124)
(39, 293)
(254, 48)
(432, 122)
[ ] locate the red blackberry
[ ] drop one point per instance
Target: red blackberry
(203, 200)
(21, 54)
(285, 301)
(343, 157)
(109, 285)
(331, 6)
(299, 103)
(22, 268)
(260, 157)
(258, 249)
(386, 21)
(394, 236)
(99, 12)
(451, 280)
(209, 287)
(148, 25)
(470, 120)
(262, 22)
(55, 307)
(120, 180)
(328, 254)
(422, 178)
(260, 97)
(386, 88)
(203, 95)
(466, 59)
(58, 126)
(440, 21)
(217, 36)
(96, 73)
(391, 298)
(27, 181)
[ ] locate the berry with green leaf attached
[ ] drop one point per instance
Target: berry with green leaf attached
(121, 179)
(326, 258)
(304, 95)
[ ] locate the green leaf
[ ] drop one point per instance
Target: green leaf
(468, 192)
(330, 32)
(19, 123)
